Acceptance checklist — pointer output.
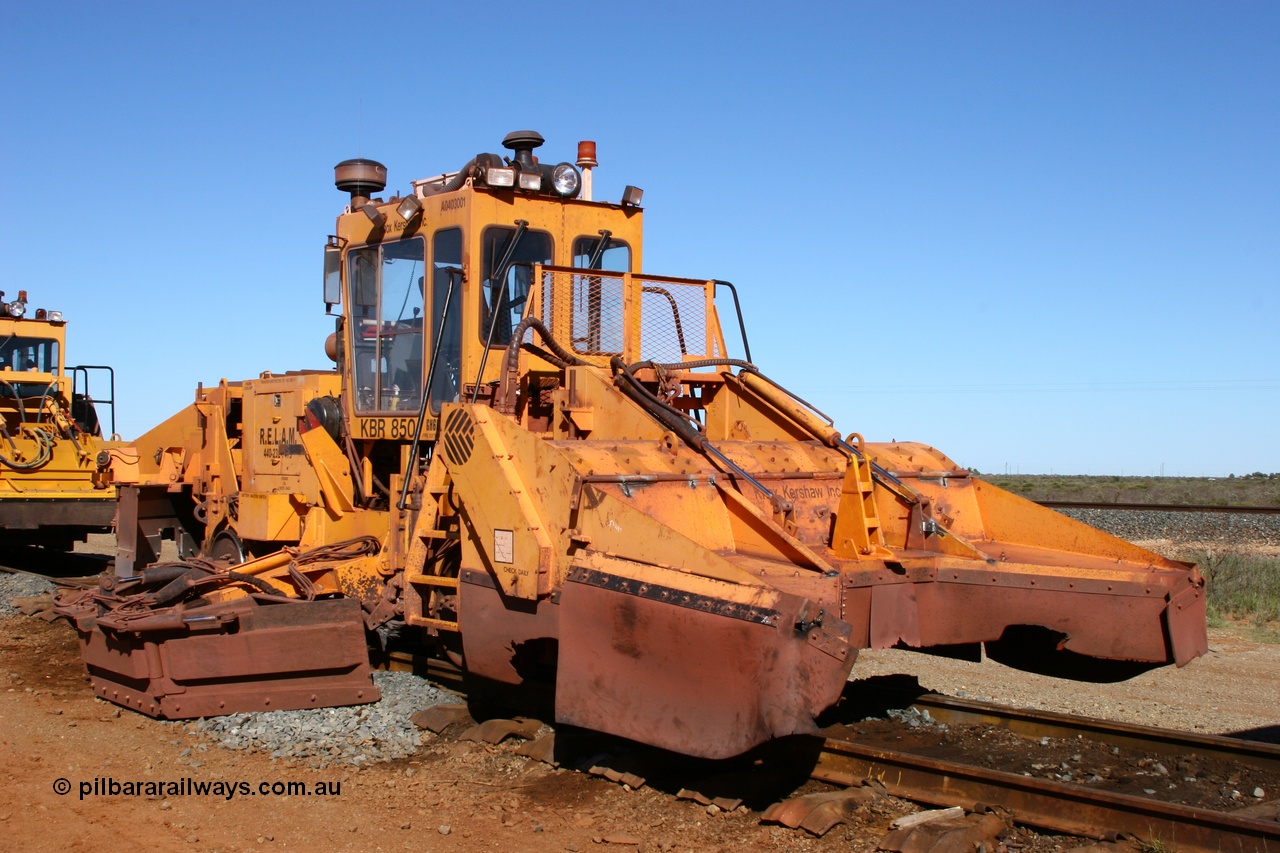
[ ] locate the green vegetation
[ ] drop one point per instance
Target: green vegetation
(1241, 587)
(1155, 845)
(1255, 489)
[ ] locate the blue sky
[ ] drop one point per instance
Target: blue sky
(1043, 237)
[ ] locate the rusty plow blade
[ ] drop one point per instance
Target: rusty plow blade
(750, 664)
(248, 653)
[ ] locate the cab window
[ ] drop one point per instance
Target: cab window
(502, 303)
(29, 355)
(386, 294)
(597, 306)
(613, 255)
(446, 260)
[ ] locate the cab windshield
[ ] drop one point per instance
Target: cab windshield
(29, 355)
(509, 256)
(386, 284)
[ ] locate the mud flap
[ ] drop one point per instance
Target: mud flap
(694, 665)
(254, 656)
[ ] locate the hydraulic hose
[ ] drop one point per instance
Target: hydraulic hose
(44, 441)
(677, 421)
(511, 362)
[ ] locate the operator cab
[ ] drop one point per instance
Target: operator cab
(435, 282)
(30, 351)
(33, 371)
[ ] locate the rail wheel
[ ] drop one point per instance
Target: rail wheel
(227, 547)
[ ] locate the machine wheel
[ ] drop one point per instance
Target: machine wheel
(227, 547)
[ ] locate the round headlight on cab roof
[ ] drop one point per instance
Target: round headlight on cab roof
(17, 309)
(565, 180)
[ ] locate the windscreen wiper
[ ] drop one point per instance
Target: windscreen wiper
(498, 280)
(597, 253)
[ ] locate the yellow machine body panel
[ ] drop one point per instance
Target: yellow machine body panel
(52, 491)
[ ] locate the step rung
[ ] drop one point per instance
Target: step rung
(428, 622)
(432, 580)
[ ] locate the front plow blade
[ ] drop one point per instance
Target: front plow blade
(241, 655)
(694, 665)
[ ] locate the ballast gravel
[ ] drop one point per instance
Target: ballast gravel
(355, 735)
(1183, 528)
(19, 586)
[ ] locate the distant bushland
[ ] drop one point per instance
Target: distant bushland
(1249, 490)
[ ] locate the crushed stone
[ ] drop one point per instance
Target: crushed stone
(19, 586)
(356, 735)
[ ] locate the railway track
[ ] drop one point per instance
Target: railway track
(1054, 805)
(1044, 804)
(1147, 739)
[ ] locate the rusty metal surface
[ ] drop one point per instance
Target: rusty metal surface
(1112, 626)
(500, 629)
(818, 813)
(1054, 806)
(962, 834)
(437, 718)
(498, 730)
(729, 683)
(277, 656)
(542, 749)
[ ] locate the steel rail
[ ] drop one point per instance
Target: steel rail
(1214, 508)
(1044, 804)
(1035, 723)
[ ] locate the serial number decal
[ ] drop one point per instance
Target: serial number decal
(453, 203)
(396, 429)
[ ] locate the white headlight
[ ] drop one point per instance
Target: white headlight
(17, 309)
(409, 208)
(55, 316)
(500, 176)
(566, 180)
(531, 181)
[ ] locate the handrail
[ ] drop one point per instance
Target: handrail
(84, 369)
